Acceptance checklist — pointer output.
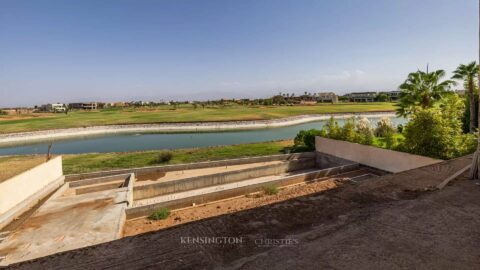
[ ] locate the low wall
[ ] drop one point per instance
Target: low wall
(383, 159)
(19, 193)
(162, 188)
(145, 210)
(145, 172)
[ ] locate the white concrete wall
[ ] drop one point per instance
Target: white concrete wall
(387, 160)
(21, 187)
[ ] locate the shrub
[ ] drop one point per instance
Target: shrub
(400, 128)
(270, 190)
(332, 129)
(384, 127)
(428, 134)
(2, 112)
(161, 213)
(390, 141)
(163, 157)
(348, 131)
(306, 138)
(365, 132)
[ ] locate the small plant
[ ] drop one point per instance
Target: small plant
(384, 127)
(160, 214)
(270, 190)
(163, 157)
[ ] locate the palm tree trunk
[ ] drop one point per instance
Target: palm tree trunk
(425, 101)
(471, 104)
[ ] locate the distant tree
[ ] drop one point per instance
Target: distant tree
(382, 97)
(468, 73)
(422, 90)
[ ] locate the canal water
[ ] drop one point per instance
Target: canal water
(148, 141)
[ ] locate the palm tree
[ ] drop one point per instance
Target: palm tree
(422, 89)
(468, 73)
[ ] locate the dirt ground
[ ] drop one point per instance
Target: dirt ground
(142, 225)
(388, 222)
(11, 166)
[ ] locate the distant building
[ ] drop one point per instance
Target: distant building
(327, 97)
(362, 96)
(53, 107)
(84, 106)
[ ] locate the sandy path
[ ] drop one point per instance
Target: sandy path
(26, 137)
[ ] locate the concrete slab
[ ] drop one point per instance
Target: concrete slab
(67, 222)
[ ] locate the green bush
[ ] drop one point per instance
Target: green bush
(163, 157)
(270, 190)
(306, 138)
(3, 112)
(429, 134)
(160, 214)
(348, 132)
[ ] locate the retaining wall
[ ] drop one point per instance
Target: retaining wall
(162, 188)
(145, 172)
(383, 159)
(19, 193)
(146, 210)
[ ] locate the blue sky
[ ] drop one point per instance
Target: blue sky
(65, 51)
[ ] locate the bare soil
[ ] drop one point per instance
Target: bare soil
(11, 166)
(249, 201)
(389, 222)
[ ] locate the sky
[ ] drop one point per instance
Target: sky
(73, 51)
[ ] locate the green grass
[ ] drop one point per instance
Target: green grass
(270, 190)
(184, 113)
(161, 213)
(82, 163)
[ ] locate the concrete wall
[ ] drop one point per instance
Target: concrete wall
(145, 210)
(162, 188)
(146, 172)
(386, 160)
(19, 193)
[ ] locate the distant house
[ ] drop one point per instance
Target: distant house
(84, 106)
(362, 96)
(327, 97)
(53, 107)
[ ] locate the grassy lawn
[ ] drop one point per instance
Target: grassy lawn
(184, 113)
(82, 163)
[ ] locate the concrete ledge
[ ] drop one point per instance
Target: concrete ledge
(146, 210)
(383, 159)
(29, 202)
(98, 180)
(145, 172)
(162, 188)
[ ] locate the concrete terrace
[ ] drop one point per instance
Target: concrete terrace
(391, 222)
(64, 222)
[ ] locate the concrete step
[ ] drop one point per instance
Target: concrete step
(206, 194)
